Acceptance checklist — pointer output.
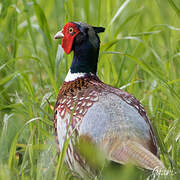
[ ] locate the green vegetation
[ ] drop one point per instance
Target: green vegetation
(140, 51)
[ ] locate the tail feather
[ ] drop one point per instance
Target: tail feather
(135, 153)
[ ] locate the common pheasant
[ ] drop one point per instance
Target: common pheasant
(107, 117)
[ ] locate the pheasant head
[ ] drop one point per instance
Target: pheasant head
(84, 41)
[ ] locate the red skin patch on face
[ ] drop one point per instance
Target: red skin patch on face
(70, 30)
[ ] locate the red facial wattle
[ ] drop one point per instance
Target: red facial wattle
(68, 39)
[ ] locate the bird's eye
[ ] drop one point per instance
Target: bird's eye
(70, 30)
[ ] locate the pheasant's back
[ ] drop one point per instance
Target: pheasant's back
(103, 114)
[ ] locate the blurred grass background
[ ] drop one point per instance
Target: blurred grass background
(140, 52)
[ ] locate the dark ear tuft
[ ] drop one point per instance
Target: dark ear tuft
(98, 29)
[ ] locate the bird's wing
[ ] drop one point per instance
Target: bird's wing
(132, 101)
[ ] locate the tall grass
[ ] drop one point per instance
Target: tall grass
(140, 52)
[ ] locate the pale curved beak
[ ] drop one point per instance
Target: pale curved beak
(59, 35)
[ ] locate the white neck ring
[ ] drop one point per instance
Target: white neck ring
(73, 76)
